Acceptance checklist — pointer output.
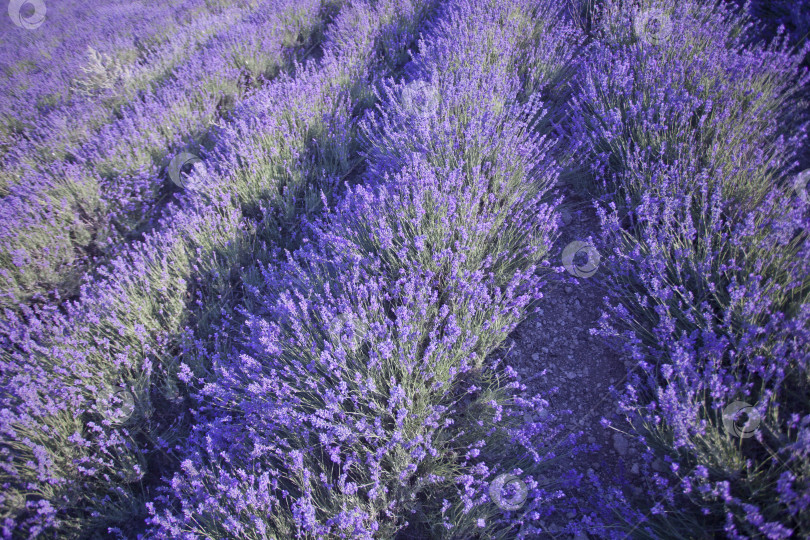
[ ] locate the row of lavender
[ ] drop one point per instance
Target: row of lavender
(351, 396)
(91, 399)
(49, 64)
(103, 84)
(691, 132)
(70, 212)
(227, 40)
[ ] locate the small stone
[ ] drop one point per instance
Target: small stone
(571, 514)
(535, 357)
(634, 468)
(620, 444)
(571, 375)
(658, 465)
(569, 289)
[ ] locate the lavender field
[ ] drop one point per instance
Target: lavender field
(405, 269)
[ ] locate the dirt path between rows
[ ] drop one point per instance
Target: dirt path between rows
(554, 348)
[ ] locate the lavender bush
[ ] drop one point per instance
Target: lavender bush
(47, 81)
(779, 18)
(58, 224)
(427, 264)
(135, 312)
(693, 140)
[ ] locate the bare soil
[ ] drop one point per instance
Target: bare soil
(555, 348)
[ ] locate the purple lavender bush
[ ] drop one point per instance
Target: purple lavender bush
(127, 326)
(52, 69)
(359, 347)
(782, 18)
(64, 217)
(104, 81)
(692, 141)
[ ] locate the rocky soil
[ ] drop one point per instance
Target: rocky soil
(554, 348)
